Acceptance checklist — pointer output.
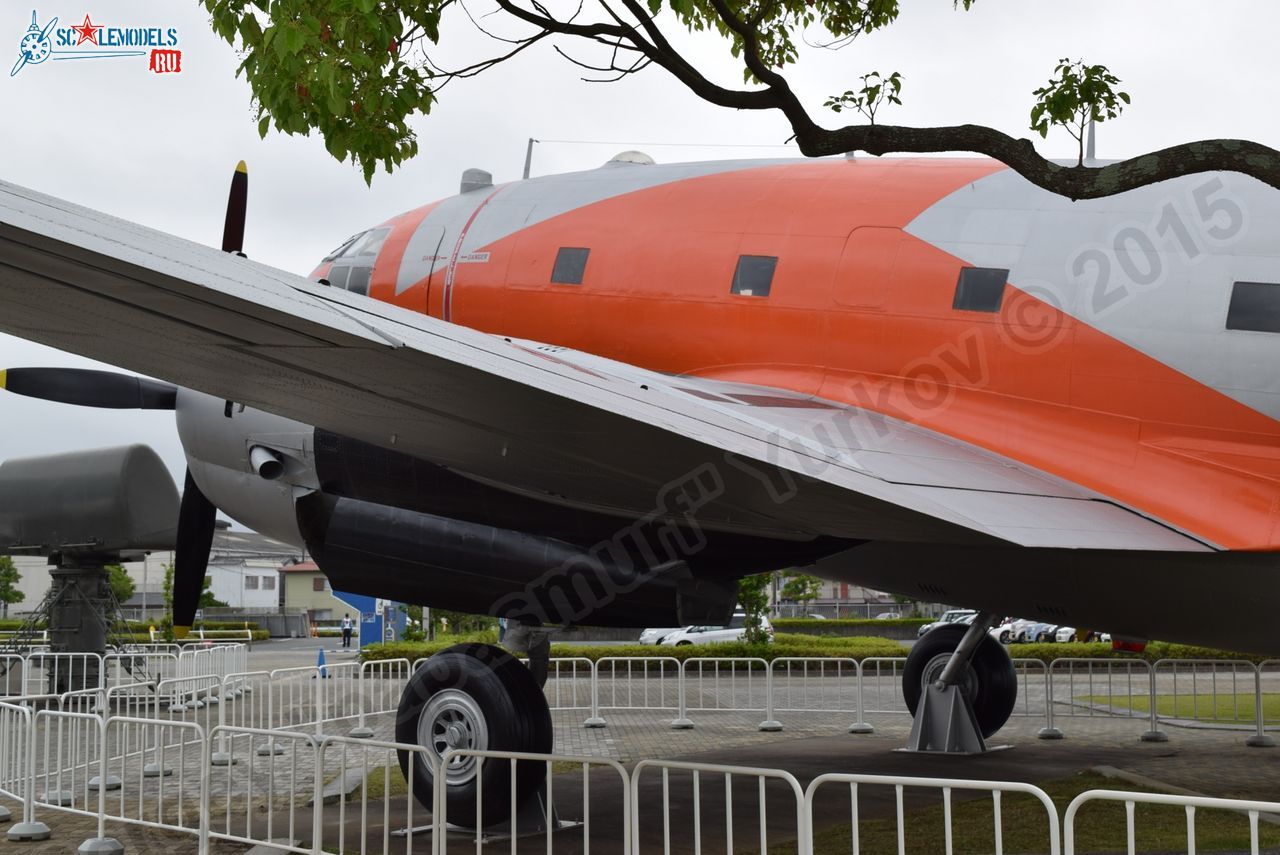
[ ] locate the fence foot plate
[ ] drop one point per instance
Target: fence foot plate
(101, 846)
(1049, 733)
(1260, 740)
(29, 831)
(1155, 736)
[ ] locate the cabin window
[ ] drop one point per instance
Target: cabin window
(980, 289)
(1254, 306)
(754, 275)
(358, 283)
(571, 264)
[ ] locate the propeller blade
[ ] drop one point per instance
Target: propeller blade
(191, 559)
(90, 388)
(237, 201)
(196, 514)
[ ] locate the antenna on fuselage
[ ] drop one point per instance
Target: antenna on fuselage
(1090, 143)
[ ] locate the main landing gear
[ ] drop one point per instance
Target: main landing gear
(960, 685)
(480, 697)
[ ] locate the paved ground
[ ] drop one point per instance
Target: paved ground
(1214, 762)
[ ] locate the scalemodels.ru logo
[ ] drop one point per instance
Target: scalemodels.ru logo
(91, 40)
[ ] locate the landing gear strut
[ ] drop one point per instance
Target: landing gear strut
(960, 685)
(479, 697)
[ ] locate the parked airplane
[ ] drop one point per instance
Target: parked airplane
(603, 397)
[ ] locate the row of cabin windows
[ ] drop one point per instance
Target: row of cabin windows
(753, 277)
(1255, 306)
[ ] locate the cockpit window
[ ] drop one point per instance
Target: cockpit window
(364, 244)
(337, 253)
(367, 244)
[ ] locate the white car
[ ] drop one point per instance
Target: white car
(947, 617)
(735, 630)
(1068, 633)
(889, 616)
(654, 635)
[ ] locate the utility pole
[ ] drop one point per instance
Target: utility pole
(528, 157)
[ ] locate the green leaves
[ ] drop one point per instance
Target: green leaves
(1076, 95)
(876, 91)
(338, 67)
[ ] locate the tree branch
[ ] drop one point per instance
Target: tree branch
(1074, 182)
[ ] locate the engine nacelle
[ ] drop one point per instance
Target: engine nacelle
(252, 465)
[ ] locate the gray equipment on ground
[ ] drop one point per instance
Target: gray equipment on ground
(84, 511)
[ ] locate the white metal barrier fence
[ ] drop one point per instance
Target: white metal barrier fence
(946, 787)
(342, 794)
(1252, 811)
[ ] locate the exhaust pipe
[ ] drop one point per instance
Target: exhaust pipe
(266, 463)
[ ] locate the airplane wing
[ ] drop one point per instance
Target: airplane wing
(562, 425)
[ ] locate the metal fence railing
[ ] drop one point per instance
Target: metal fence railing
(320, 792)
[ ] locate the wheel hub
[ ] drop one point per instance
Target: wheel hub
(452, 720)
(933, 673)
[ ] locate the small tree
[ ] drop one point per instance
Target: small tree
(9, 578)
(1078, 95)
(120, 581)
(414, 629)
(207, 599)
(800, 587)
(753, 596)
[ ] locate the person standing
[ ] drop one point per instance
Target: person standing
(346, 630)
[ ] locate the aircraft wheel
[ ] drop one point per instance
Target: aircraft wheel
(474, 696)
(989, 681)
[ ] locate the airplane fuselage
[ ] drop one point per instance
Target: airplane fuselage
(1108, 358)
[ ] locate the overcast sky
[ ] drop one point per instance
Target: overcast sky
(159, 149)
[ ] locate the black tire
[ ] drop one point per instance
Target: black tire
(994, 682)
(480, 688)
(1004, 637)
(684, 644)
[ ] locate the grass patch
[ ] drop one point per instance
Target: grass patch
(1226, 709)
(1099, 826)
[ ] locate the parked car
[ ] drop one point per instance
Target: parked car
(1068, 633)
(1040, 632)
(656, 634)
(889, 616)
(816, 617)
(1018, 630)
(947, 617)
(1006, 632)
(735, 630)
(1000, 632)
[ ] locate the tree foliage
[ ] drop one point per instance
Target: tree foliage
(121, 583)
(800, 587)
(753, 596)
(9, 579)
(357, 71)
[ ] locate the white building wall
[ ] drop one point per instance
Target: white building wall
(249, 585)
